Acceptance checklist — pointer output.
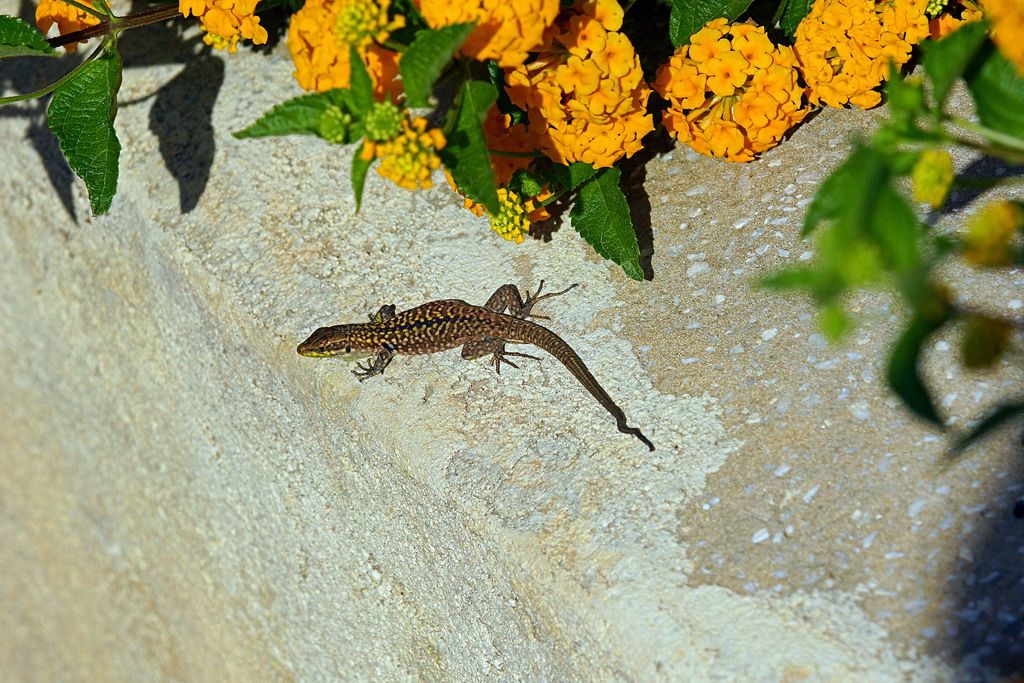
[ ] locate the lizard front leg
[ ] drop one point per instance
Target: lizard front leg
(508, 296)
(365, 371)
(385, 312)
(494, 346)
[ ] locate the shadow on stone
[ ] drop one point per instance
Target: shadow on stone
(989, 608)
(634, 176)
(986, 168)
(181, 120)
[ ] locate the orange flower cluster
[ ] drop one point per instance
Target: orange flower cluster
(409, 158)
(68, 18)
(845, 46)
(1007, 17)
(732, 93)
(321, 34)
(226, 21)
(517, 142)
(585, 94)
(506, 30)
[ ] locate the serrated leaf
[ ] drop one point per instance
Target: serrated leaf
(360, 167)
(945, 60)
(996, 418)
(689, 16)
(794, 13)
(360, 85)
(903, 373)
(423, 62)
(465, 155)
(998, 91)
(81, 116)
(21, 39)
(601, 216)
(299, 115)
(570, 177)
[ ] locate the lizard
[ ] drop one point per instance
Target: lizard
(449, 323)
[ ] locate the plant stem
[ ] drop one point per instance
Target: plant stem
(53, 86)
(1008, 141)
(87, 9)
(150, 15)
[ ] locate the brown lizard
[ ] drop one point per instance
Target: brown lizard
(448, 323)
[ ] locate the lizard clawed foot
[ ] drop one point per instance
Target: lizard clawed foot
(364, 371)
(500, 357)
(533, 299)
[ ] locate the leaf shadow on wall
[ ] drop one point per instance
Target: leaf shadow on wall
(988, 607)
(182, 110)
(27, 74)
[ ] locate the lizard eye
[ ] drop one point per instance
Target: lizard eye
(348, 349)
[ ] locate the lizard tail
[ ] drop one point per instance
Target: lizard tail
(532, 333)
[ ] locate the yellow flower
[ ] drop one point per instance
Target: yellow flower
(584, 93)
(409, 158)
(226, 21)
(990, 237)
(933, 177)
(512, 219)
(68, 19)
(506, 30)
(844, 47)
(321, 34)
(1007, 17)
(737, 97)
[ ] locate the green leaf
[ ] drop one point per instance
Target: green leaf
(1002, 413)
(299, 115)
(601, 216)
(20, 39)
(81, 116)
(998, 91)
(945, 60)
(466, 155)
(903, 372)
(423, 62)
(360, 167)
(526, 184)
(860, 169)
(689, 16)
(569, 177)
(505, 106)
(794, 13)
(360, 85)
(833, 321)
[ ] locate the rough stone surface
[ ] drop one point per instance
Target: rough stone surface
(183, 497)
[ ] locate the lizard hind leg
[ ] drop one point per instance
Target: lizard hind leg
(494, 346)
(508, 296)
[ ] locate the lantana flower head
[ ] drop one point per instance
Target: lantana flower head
(1007, 17)
(517, 141)
(584, 94)
(226, 21)
(322, 33)
(410, 157)
(732, 93)
(506, 30)
(991, 235)
(845, 47)
(67, 17)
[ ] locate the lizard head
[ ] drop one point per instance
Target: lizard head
(348, 342)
